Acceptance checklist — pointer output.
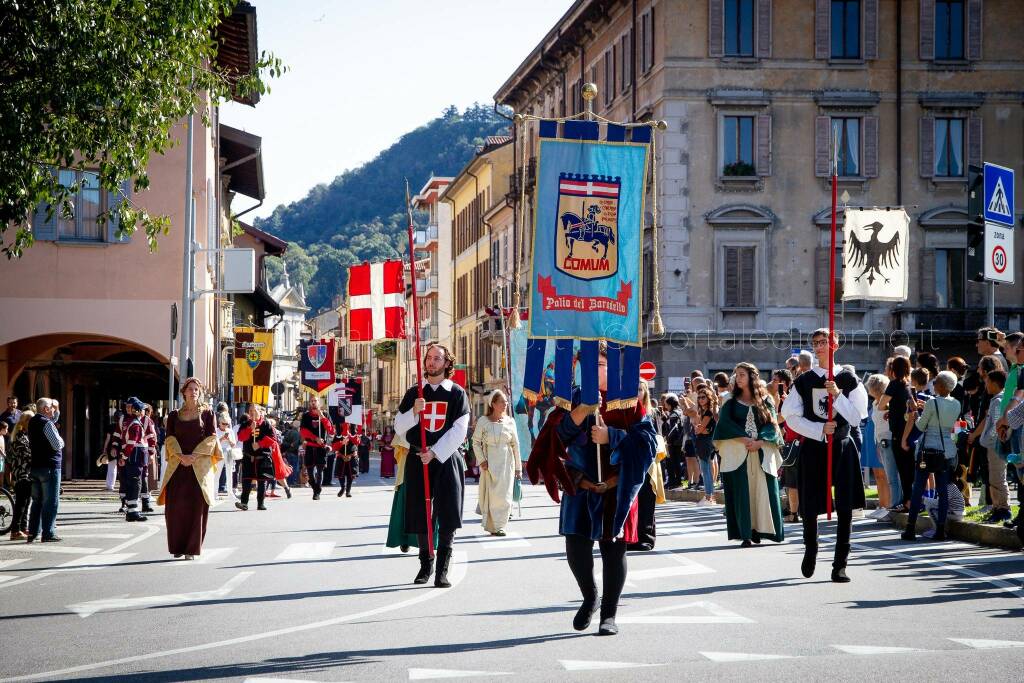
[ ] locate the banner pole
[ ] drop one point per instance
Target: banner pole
(419, 372)
(589, 94)
(831, 318)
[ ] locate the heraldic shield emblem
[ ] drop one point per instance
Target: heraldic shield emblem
(252, 357)
(317, 354)
(586, 244)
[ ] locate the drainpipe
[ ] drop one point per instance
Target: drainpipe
(632, 61)
(899, 102)
(476, 245)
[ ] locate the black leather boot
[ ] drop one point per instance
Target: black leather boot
(426, 567)
(839, 563)
(444, 559)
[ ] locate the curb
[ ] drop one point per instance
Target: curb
(969, 532)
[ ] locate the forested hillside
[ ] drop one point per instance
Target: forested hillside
(360, 214)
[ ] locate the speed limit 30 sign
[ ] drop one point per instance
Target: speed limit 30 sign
(998, 253)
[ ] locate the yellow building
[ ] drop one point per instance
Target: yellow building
(473, 195)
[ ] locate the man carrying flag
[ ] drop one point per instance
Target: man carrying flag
(806, 412)
(441, 420)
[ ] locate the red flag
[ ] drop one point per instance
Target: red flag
(376, 301)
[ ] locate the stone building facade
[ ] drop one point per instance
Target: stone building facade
(751, 91)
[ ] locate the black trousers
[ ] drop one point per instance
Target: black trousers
(844, 525)
(579, 551)
(445, 538)
(646, 532)
(332, 462)
(675, 467)
(316, 461)
(261, 490)
(22, 498)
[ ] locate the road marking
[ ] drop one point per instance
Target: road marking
(211, 555)
(425, 674)
(686, 567)
(712, 614)
(8, 577)
(591, 665)
(456, 575)
(278, 680)
(4, 564)
(103, 536)
(52, 548)
(85, 609)
(874, 649)
(148, 530)
(317, 550)
(982, 644)
(95, 561)
(488, 542)
(726, 657)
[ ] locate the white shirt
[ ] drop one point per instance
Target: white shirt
(853, 408)
(450, 441)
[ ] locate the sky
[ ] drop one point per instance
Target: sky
(364, 72)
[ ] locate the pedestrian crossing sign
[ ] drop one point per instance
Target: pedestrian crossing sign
(999, 194)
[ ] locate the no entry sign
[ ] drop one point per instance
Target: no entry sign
(647, 371)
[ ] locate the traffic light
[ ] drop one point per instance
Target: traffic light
(974, 264)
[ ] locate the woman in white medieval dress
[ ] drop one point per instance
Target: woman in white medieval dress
(496, 446)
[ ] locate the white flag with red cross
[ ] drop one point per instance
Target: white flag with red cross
(376, 301)
(433, 415)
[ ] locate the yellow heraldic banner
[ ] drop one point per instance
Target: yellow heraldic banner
(254, 355)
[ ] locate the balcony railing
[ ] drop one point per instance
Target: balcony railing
(425, 236)
(425, 285)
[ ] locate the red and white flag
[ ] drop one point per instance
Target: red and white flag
(376, 301)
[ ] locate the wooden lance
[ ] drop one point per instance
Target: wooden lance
(831, 319)
(419, 372)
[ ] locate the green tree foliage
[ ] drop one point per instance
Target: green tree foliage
(99, 85)
(360, 215)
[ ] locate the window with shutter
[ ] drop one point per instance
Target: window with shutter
(738, 146)
(822, 158)
(716, 28)
(974, 148)
(870, 29)
(739, 28)
(764, 145)
(647, 41)
(928, 292)
(975, 17)
(740, 271)
(847, 133)
(764, 29)
(114, 200)
(926, 30)
(950, 29)
(821, 277)
(926, 146)
(822, 22)
(845, 26)
(948, 148)
(626, 61)
(870, 130)
(949, 278)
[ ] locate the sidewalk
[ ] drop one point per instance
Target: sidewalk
(969, 532)
(87, 490)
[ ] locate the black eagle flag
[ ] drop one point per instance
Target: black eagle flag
(875, 254)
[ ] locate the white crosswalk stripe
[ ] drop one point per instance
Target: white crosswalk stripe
(212, 555)
(488, 542)
(96, 561)
(38, 547)
(307, 551)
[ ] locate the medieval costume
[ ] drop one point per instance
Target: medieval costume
(387, 453)
(497, 444)
(152, 448)
(443, 423)
(806, 411)
(344, 448)
(363, 447)
(595, 508)
(397, 536)
(316, 431)
(188, 491)
(752, 507)
(258, 446)
(134, 454)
